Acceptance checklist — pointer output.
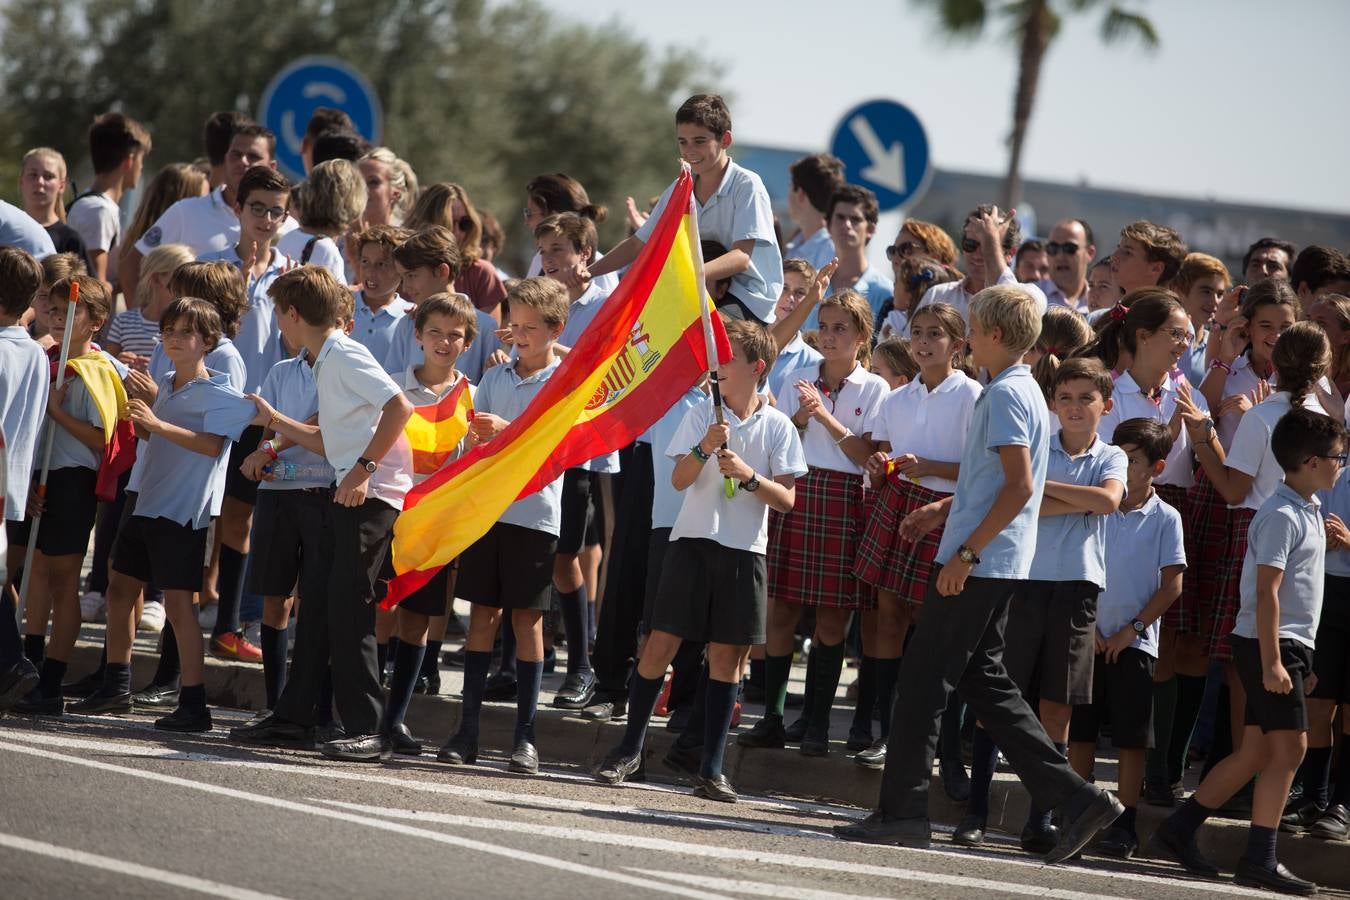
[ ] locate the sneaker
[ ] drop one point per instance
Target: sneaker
(93, 607)
(206, 617)
(235, 646)
(152, 618)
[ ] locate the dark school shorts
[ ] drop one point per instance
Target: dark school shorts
(169, 553)
(510, 567)
(1050, 640)
(70, 513)
(577, 510)
(1266, 709)
(718, 596)
(433, 598)
(1122, 695)
(286, 524)
(657, 545)
(1331, 659)
(237, 486)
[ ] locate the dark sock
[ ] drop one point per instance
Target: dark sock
(407, 666)
(1316, 772)
(35, 648)
(692, 736)
(1164, 713)
(867, 695)
(1342, 795)
(168, 669)
(230, 588)
(529, 676)
(117, 678)
(574, 624)
(758, 670)
(642, 694)
(1189, 817)
(983, 763)
(888, 673)
(476, 663)
(777, 671)
(809, 687)
(1035, 815)
(393, 646)
(1221, 744)
(508, 664)
(1127, 819)
(686, 678)
(192, 696)
(431, 660)
(1261, 847)
(274, 644)
(1190, 697)
(949, 737)
(381, 658)
(53, 670)
(323, 704)
(11, 644)
(720, 704)
(821, 699)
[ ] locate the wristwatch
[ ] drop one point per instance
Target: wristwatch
(752, 485)
(367, 464)
(1207, 424)
(1138, 626)
(967, 555)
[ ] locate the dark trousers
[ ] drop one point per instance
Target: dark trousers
(337, 618)
(617, 629)
(958, 645)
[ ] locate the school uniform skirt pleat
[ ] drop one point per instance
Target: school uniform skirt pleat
(1228, 597)
(1206, 520)
(884, 560)
(812, 548)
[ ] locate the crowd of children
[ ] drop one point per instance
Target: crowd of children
(1041, 497)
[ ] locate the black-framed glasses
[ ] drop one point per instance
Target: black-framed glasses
(262, 210)
(969, 245)
(1339, 457)
(1054, 248)
(903, 250)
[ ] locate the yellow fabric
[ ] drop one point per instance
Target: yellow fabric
(105, 389)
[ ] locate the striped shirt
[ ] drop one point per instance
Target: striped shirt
(134, 333)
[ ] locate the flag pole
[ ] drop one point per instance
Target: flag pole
(705, 311)
(49, 437)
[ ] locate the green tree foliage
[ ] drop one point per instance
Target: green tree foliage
(485, 94)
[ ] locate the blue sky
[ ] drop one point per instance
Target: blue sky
(1244, 100)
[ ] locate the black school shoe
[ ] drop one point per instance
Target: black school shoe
(524, 759)
(1278, 879)
(970, 831)
(34, 704)
(1301, 819)
(878, 828)
(85, 686)
(794, 733)
(767, 733)
(404, 742)
(578, 689)
(1038, 839)
(17, 680)
(500, 688)
(858, 739)
(157, 696)
(1167, 844)
(1164, 795)
(102, 702)
(605, 710)
(874, 757)
(271, 731)
(716, 788)
(1095, 809)
(685, 760)
(617, 766)
(1334, 824)
(185, 721)
(1117, 842)
(359, 748)
(458, 751)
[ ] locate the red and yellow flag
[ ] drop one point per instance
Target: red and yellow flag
(644, 349)
(435, 430)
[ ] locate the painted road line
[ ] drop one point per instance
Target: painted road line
(130, 869)
(754, 888)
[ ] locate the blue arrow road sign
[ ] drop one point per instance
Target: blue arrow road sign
(303, 86)
(883, 147)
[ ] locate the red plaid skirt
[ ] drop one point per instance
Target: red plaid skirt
(1229, 597)
(1207, 521)
(811, 548)
(884, 559)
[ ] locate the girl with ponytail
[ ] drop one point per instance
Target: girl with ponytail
(1064, 334)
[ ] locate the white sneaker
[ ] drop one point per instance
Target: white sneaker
(152, 618)
(93, 607)
(206, 616)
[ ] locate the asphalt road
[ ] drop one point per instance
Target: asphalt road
(110, 808)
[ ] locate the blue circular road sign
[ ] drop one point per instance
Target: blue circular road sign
(303, 86)
(884, 148)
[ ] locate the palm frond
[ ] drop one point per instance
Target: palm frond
(959, 18)
(1120, 25)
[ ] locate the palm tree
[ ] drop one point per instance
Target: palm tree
(1035, 24)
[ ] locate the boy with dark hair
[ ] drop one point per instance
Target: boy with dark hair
(1282, 590)
(718, 545)
(1268, 257)
(1032, 263)
(733, 209)
(1144, 562)
(362, 412)
(1318, 271)
(852, 220)
(378, 304)
(814, 179)
(1147, 255)
(217, 133)
(118, 146)
(323, 119)
(334, 144)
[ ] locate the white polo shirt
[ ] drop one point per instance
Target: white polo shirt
(206, 224)
(325, 251)
(1242, 380)
(954, 294)
(929, 424)
(1129, 402)
(855, 404)
(353, 389)
(1251, 453)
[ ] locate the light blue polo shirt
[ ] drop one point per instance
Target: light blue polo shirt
(290, 389)
(258, 340)
(875, 286)
(224, 358)
(796, 355)
(1071, 547)
(404, 351)
(1337, 502)
(25, 378)
(1287, 533)
(1143, 542)
(666, 500)
(375, 329)
(817, 249)
(173, 482)
(504, 393)
(740, 210)
(18, 229)
(1010, 413)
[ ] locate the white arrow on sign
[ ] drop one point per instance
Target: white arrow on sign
(888, 163)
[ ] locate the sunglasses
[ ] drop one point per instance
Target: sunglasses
(969, 245)
(261, 210)
(1069, 248)
(905, 250)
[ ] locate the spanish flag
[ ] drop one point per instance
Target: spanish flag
(650, 342)
(435, 430)
(105, 388)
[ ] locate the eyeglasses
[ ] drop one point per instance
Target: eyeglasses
(262, 210)
(903, 250)
(969, 245)
(1340, 458)
(1176, 334)
(1069, 248)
